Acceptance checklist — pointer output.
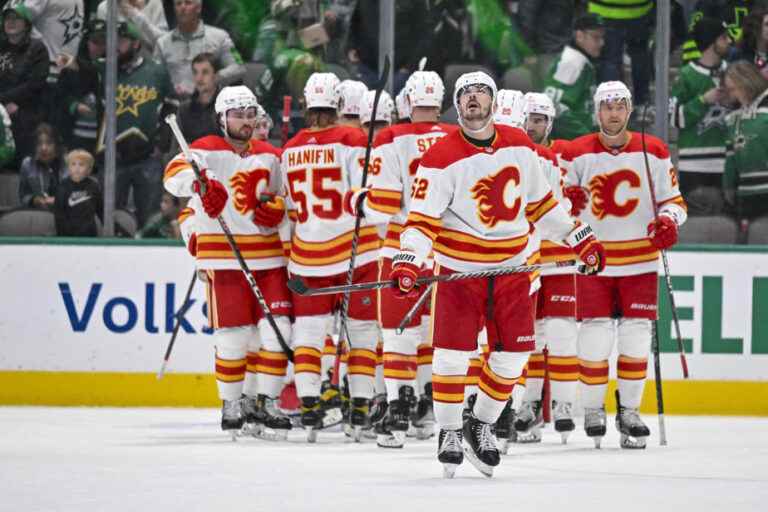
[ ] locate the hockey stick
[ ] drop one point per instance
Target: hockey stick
(659, 391)
(298, 286)
(285, 128)
(414, 309)
(343, 332)
(171, 120)
(184, 307)
(664, 260)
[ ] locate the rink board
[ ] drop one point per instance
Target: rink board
(84, 323)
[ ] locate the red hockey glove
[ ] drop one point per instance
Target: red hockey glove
(578, 197)
(584, 243)
(270, 211)
(215, 197)
(353, 199)
(404, 273)
(192, 245)
(663, 232)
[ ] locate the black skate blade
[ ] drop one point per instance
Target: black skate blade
(482, 467)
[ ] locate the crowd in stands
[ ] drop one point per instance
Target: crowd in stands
(174, 56)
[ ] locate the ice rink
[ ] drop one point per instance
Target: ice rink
(99, 459)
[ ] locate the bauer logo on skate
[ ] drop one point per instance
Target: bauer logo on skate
(246, 186)
(498, 197)
(609, 194)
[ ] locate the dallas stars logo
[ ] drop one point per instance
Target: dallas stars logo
(130, 98)
(73, 25)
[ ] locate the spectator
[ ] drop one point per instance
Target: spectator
(190, 38)
(571, 79)
(42, 172)
(144, 96)
(7, 143)
(730, 11)
(196, 115)
(745, 181)
(23, 71)
(544, 32)
(147, 15)
(59, 24)
(78, 88)
(79, 199)
(753, 46)
(164, 224)
(697, 107)
(627, 24)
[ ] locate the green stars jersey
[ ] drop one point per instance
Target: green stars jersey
(570, 84)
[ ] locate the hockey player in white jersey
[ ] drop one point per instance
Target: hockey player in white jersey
(241, 176)
(397, 153)
(384, 111)
(350, 93)
(474, 194)
(621, 303)
(509, 110)
(319, 165)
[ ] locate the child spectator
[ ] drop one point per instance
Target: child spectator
(79, 199)
(41, 174)
(164, 224)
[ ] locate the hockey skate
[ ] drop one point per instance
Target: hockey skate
(562, 413)
(449, 451)
(594, 424)
(311, 417)
(274, 425)
(505, 429)
(231, 417)
(423, 420)
(480, 445)
(634, 432)
(358, 417)
(385, 437)
(529, 421)
(252, 422)
(377, 414)
(330, 404)
(395, 425)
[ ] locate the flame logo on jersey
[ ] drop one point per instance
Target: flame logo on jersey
(244, 185)
(493, 194)
(603, 189)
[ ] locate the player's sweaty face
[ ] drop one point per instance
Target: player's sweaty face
(475, 104)
(613, 116)
(241, 123)
(536, 126)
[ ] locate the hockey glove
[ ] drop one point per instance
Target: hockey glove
(584, 243)
(663, 232)
(270, 211)
(215, 196)
(404, 273)
(578, 197)
(353, 200)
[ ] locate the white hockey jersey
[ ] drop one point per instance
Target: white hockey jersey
(396, 156)
(318, 168)
(473, 205)
(245, 176)
(620, 207)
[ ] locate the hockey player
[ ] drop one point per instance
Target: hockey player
(473, 196)
(384, 112)
(350, 94)
(622, 302)
(319, 165)
(398, 149)
(403, 110)
(509, 109)
(239, 181)
(264, 125)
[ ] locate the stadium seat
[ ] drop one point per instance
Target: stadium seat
(454, 71)
(9, 192)
(709, 229)
(28, 222)
(758, 231)
(253, 72)
(520, 79)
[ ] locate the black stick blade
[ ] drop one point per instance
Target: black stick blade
(298, 286)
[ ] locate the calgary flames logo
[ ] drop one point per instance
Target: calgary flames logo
(493, 194)
(603, 189)
(244, 185)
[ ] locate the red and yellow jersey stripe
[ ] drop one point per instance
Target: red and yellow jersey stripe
(318, 254)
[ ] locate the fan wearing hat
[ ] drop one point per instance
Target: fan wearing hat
(698, 107)
(571, 80)
(23, 71)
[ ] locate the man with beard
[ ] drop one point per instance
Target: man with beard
(611, 164)
(240, 178)
(475, 192)
(143, 97)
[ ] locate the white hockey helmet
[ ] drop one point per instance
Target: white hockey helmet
(350, 92)
(383, 110)
(611, 91)
(425, 89)
(539, 103)
(509, 108)
(235, 97)
(320, 91)
(473, 78)
(403, 109)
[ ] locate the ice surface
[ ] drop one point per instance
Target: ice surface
(99, 459)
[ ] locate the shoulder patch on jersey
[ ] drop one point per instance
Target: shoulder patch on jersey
(570, 66)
